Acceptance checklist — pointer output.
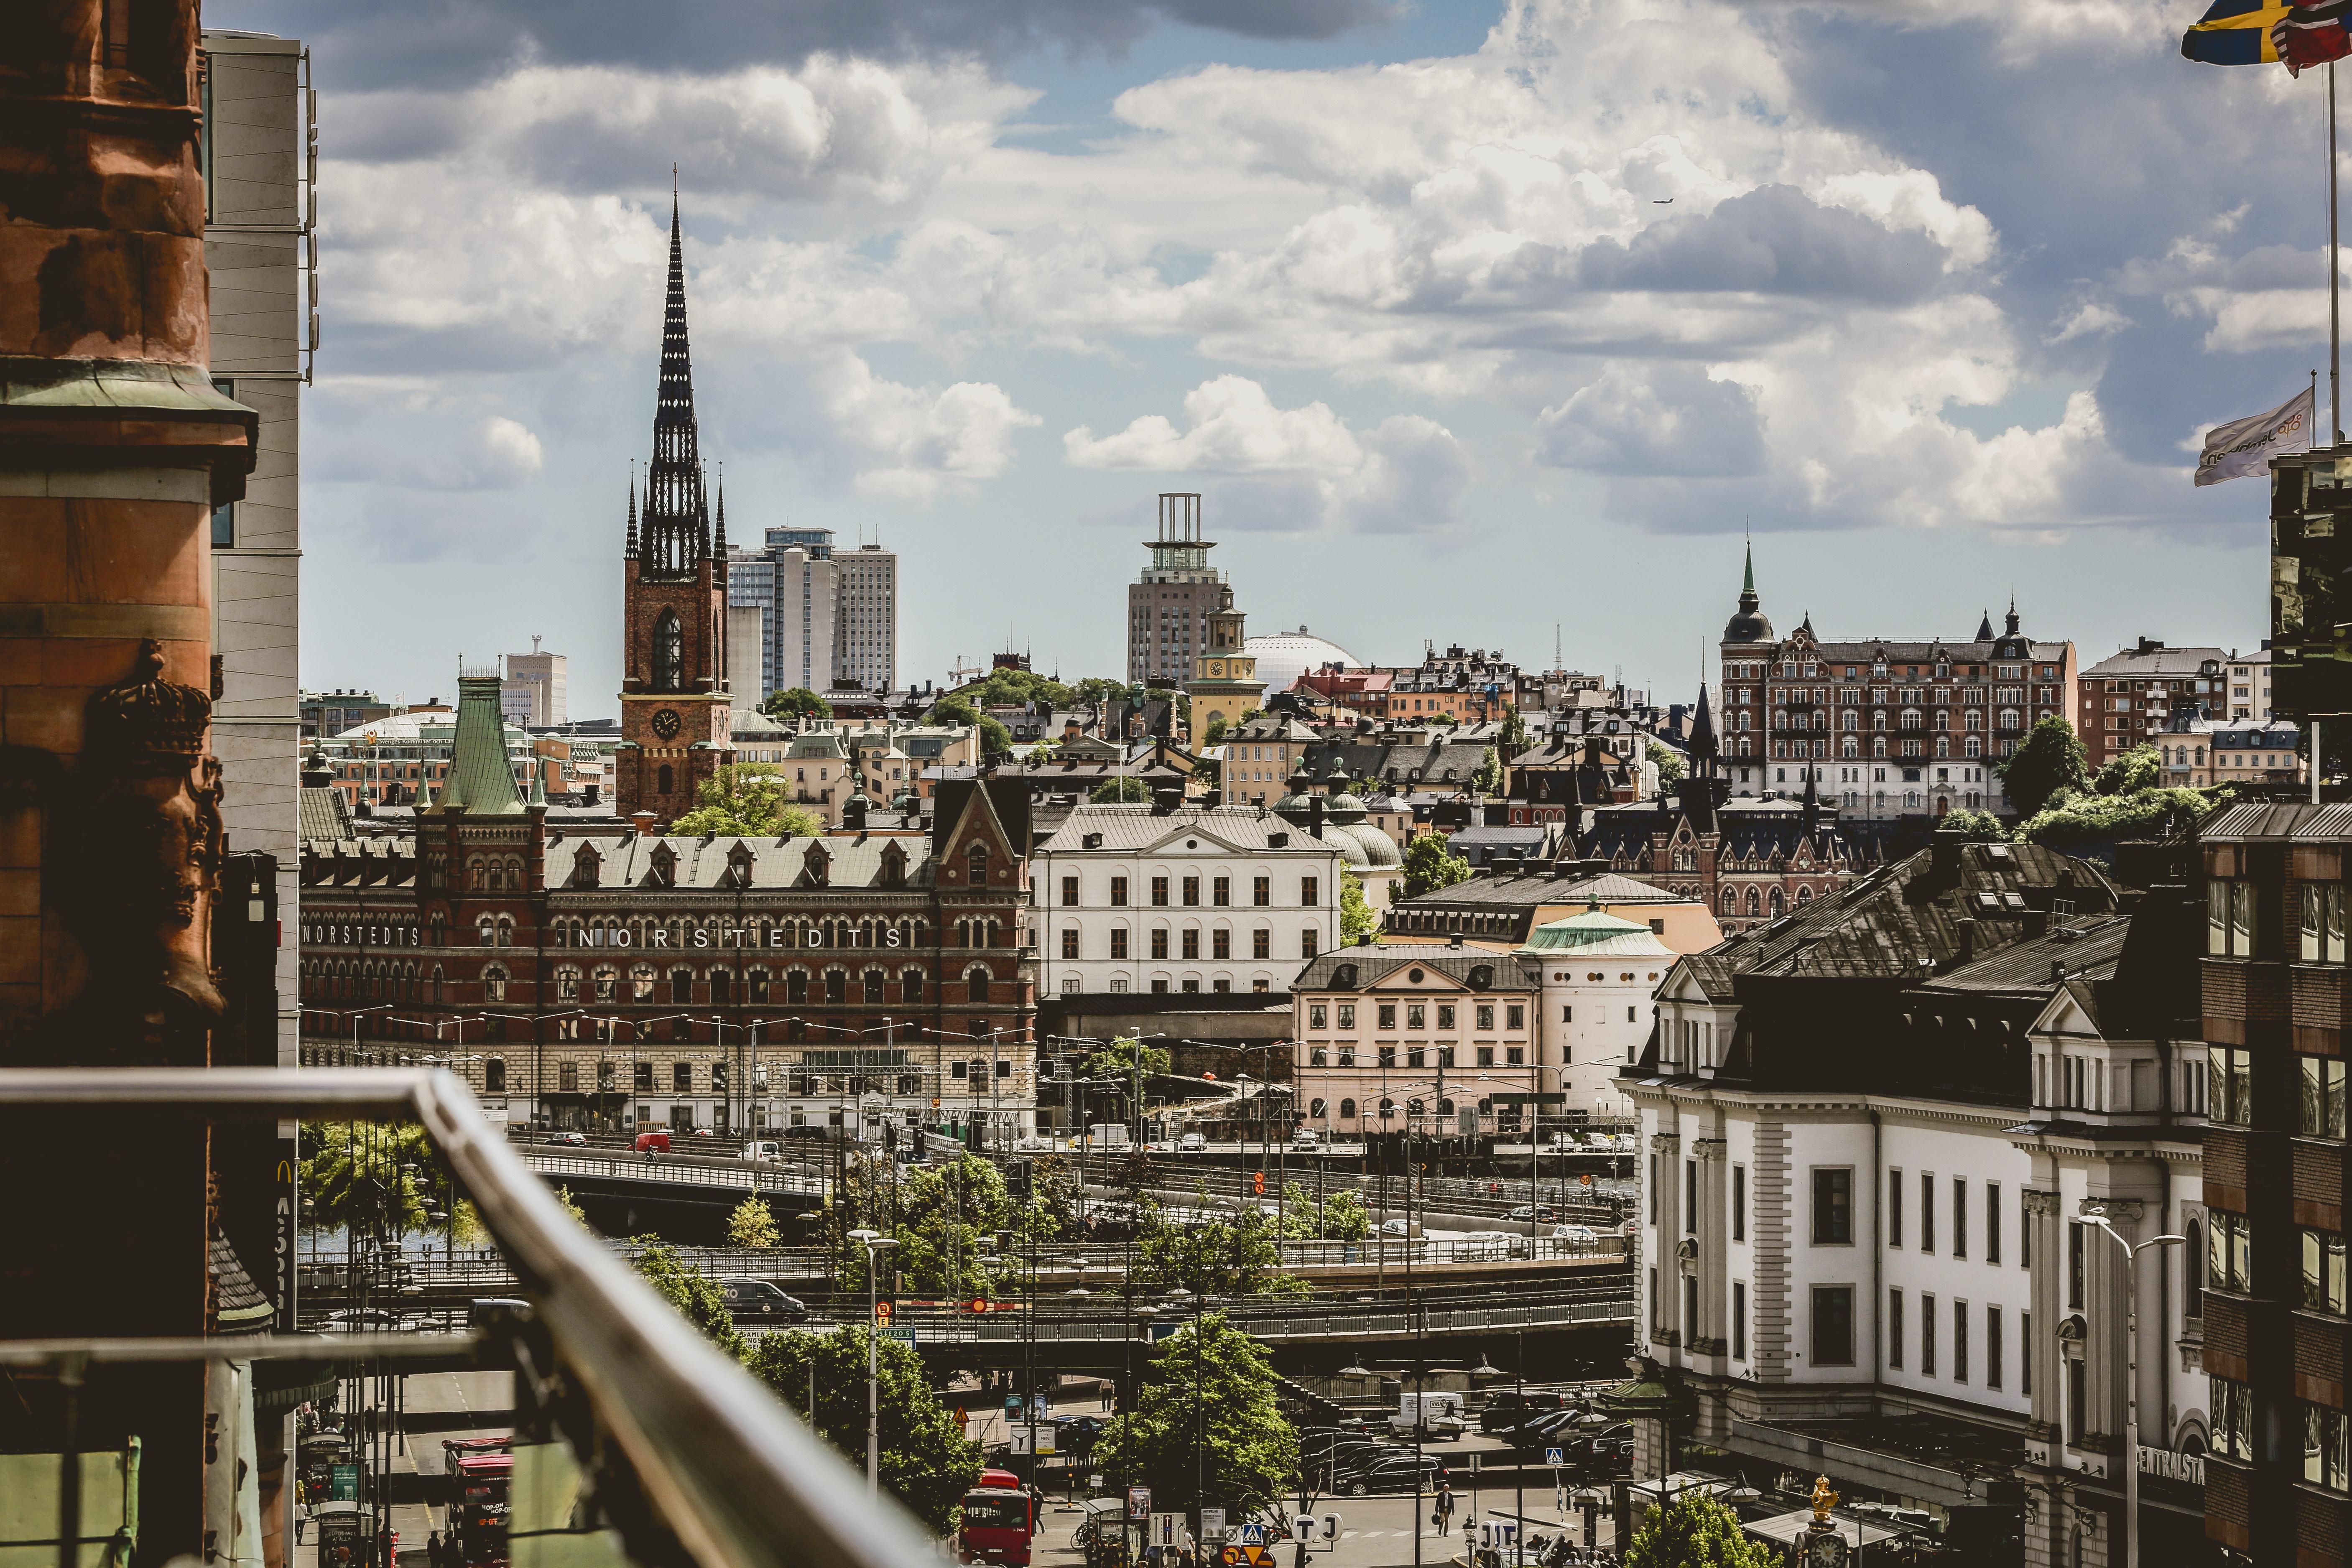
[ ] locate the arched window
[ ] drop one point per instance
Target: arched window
(1316, 1109)
(665, 780)
(1346, 1110)
(1755, 906)
(1731, 900)
(977, 855)
(436, 982)
(494, 983)
(796, 985)
(1804, 895)
(494, 1076)
(874, 980)
(1776, 902)
(669, 653)
(836, 986)
(976, 983)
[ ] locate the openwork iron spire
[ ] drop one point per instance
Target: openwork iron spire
(676, 526)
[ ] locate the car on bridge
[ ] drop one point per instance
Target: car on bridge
(1192, 1143)
(748, 1297)
(1527, 1212)
(569, 1140)
(1576, 1235)
(1306, 1138)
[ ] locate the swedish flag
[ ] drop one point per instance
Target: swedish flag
(2235, 33)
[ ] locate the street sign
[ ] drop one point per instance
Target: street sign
(1213, 1525)
(1330, 1527)
(1253, 1535)
(1021, 1430)
(343, 1483)
(881, 1311)
(1302, 1527)
(1167, 1530)
(1154, 1332)
(1555, 1457)
(905, 1336)
(1138, 1503)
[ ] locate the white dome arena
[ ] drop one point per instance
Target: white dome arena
(1283, 656)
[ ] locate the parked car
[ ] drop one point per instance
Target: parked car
(1394, 1474)
(1508, 1408)
(1527, 1212)
(1394, 1229)
(1306, 1138)
(656, 1140)
(1192, 1143)
(367, 1321)
(569, 1140)
(1576, 1235)
(762, 1150)
(748, 1298)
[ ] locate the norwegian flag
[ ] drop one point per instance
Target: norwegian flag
(2312, 35)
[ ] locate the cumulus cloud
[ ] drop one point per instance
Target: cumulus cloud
(495, 453)
(2091, 319)
(1298, 467)
(910, 442)
(1654, 419)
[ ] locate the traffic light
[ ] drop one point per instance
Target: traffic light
(1258, 1183)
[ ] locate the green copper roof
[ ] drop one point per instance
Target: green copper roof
(1748, 584)
(1596, 933)
(480, 779)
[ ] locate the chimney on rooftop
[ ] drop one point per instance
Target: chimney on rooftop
(643, 821)
(1968, 954)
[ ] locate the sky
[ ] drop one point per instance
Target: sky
(1503, 325)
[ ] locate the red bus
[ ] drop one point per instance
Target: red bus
(1000, 1517)
(485, 1481)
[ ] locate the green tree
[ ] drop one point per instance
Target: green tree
(1357, 916)
(796, 702)
(2140, 768)
(570, 1206)
(1215, 732)
(1215, 1255)
(1515, 733)
(370, 1174)
(1341, 1216)
(1096, 690)
(924, 1461)
(1429, 865)
(1121, 789)
(695, 1294)
(752, 1224)
(2081, 824)
(1669, 764)
(1206, 1428)
(2050, 759)
(1488, 779)
(1976, 827)
(952, 710)
(1694, 1531)
(745, 800)
(1117, 1059)
(1015, 689)
(1039, 755)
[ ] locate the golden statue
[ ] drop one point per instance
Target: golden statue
(1824, 1500)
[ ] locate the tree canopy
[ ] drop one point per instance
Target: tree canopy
(1669, 761)
(752, 1224)
(953, 709)
(1976, 827)
(1429, 865)
(1215, 1255)
(925, 1461)
(2050, 759)
(368, 1173)
(1514, 734)
(1119, 1058)
(1358, 918)
(1341, 1216)
(1014, 689)
(1206, 1428)
(1214, 730)
(1694, 1531)
(695, 1294)
(1488, 779)
(1096, 690)
(2077, 824)
(1120, 789)
(747, 800)
(2140, 768)
(796, 702)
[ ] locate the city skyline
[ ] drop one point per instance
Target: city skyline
(964, 301)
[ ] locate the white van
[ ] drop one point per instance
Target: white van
(1110, 1135)
(1437, 1414)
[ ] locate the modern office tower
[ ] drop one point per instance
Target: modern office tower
(865, 639)
(532, 692)
(805, 609)
(259, 155)
(1167, 607)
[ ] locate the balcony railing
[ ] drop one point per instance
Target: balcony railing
(691, 1457)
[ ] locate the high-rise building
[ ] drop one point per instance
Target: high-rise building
(1167, 607)
(1883, 728)
(2129, 698)
(865, 638)
(676, 732)
(797, 584)
(532, 692)
(258, 150)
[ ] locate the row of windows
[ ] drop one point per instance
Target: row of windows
(1385, 1109)
(1221, 942)
(1416, 1015)
(1931, 1339)
(643, 983)
(1188, 892)
(1850, 748)
(1415, 1056)
(2319, 1102)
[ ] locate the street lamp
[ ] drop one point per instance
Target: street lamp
(875, 1242)
(2131, 1378)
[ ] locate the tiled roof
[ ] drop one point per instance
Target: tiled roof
(1967, 652)
(2089, 945)
(1138, 826)
(2158, 661)
(1375, 963)
(320, 812)
(706, 863)
(1526, 892)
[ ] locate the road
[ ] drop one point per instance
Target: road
(1374, 1533)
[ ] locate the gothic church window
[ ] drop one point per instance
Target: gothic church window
(669, 653)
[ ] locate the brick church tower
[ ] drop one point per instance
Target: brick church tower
(675, 730)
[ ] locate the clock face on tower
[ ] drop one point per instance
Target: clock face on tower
(666, 723)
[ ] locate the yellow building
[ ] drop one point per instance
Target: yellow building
(1225, 683)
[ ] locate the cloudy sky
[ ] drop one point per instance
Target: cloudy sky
(1471, 320)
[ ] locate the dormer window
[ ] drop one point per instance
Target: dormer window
(662, 867)
(587, 866)
(978, 857)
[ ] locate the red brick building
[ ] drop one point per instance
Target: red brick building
(675, 729)
(2129, 699)
(604, 978)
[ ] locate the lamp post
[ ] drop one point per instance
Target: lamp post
(875, 1243)
(2131, 1379)
(357, 1014)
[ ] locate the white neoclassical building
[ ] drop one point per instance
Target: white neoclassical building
(1879, 1140)
(1168, 898)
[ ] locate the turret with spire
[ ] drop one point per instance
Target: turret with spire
(1748, 624)
(1984, 628)
(678, 519)
(2011, 622)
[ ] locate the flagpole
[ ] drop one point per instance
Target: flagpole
(2334, 280)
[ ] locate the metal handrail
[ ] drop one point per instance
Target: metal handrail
(735, 1476)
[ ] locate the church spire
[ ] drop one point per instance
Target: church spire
(1702, 737)
(678, 519)
(1747, 584)
(1984, 628)
(630, 548)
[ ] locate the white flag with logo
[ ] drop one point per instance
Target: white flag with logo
(2247, 446)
